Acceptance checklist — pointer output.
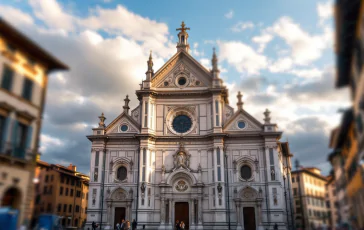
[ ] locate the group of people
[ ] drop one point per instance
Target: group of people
(180, 225)
(125, 225)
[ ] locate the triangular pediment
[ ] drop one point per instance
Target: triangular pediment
(184, 65)
(123, 124)
(250, 123)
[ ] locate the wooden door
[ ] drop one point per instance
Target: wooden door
(181, 213)
(119, 216)
(249, 218)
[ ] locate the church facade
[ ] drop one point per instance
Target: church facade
(185, 154)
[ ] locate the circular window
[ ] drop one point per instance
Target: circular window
(198, 82)
(124, 128)
(182, 123)
(246, 172)
(166, 83)
(121, 173)
(182, 81)
(241, 124)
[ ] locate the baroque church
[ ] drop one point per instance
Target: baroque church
(185, 154)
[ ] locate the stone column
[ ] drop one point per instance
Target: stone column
(170, 211)
(193, 211)
(238, 210)
(128, 207)
(163, 208)
(199, 208)
(259, 216)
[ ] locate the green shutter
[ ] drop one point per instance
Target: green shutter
(7, 80)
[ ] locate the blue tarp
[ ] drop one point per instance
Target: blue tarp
(8, 218)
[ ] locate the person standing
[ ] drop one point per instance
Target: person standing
(134, 225)
(177, 225)
(183, 225)
(127, 225)
(122, 226)
(93, 225)
(117, 226)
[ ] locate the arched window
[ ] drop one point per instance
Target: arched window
(246, 172)
(121, 173)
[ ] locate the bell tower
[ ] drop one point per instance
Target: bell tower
(183, 38)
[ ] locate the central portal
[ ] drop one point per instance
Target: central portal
(249, 218)
(119, 215)
(181, 213)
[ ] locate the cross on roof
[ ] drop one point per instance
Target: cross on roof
(183, 28)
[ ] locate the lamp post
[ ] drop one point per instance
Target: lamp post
(297, 164)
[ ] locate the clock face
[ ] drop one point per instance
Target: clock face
(182, 123)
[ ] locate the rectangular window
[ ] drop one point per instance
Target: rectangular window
(218, 156)
(213, 175)
(78, 193)
(21, 140)
(146, 114)
(217, 106)
(295, 191)
(217, 120)
(144, 156)
(46, 178)
(50, 190)
(217, 113)
(27, 89)
(219, 173)
(65, 208)
(271, 156)
(97, 158)
(71, 192)
(143, 174)
(72, 181)
(59, 208)
(70, 208)
(2, 129)
(66, 192)
(292, 179)
(61, 190)
(7, 79)
(77, 208)
(51, 177)
(45, 190)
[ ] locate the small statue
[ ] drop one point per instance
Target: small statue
(131, 193)
(273, 174)
(199, 168)
(95, 176)
(163, 169)
(219, 188)
(142, 188)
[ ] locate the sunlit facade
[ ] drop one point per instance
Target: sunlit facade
(24, 67)
(185, 154)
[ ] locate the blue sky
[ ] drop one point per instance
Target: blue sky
(279, 54)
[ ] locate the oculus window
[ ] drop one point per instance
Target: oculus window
(245, 172)
(182, 123)
(121, 173)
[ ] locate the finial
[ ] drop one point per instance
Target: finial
(183, 28)
(126, 106)
(240, 102)
(266, 116)
(215, 68)
(150, 70)
(102, 121)
(183, 38)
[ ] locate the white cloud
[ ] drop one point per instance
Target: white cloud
(307, 73)
(229, 14)
(305, 48)
(206, 62)
(262, 40)
(52, 14)
(281, 65)
(15, 16)
(243, 57)
(325, 11)
(241, 26)
(49, 142)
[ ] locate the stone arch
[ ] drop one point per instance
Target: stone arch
(181, 174)
(116, 192)
(249, 161)
(248, 193)
(11, 198)
(118, 162)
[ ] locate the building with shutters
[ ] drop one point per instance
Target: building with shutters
(61, 191)
(309, 192)
(185, 154)
(24, 69)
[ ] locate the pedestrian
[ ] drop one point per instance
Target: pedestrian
(122, 225)
(117, 226)
(177, 225)
(94, 225)
(275, 226)
(127, 225)
(182, 225)
(134, 225)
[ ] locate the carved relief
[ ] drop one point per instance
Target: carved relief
(248, 193)
(181, 186)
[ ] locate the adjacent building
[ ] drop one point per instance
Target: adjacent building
(24, 69)
(309, 190)
(62, 191)
(350, 59)
(331, 202)
(184, 153)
